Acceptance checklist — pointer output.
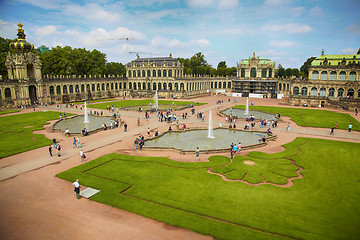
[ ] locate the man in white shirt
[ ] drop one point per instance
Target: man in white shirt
(77, 188)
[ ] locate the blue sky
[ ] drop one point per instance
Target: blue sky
(286, 31)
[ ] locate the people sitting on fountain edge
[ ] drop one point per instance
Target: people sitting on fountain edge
(247, 127)
(183, 127)
(230, 126)
(104, 126)
(84, 132)
(262, 139)
(157, 133)
(170, 128)
(269, 131)
(67, 132)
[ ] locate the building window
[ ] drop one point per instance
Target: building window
(322, 92)
(130, 85)
(352, 76)
(170, 86)
(134, 86)
(148, 86)
(8, 92)
(159, 73)
(71, 89)
(65, 89)
(112, 86)
(88, 87)
(212, 84)
(270, 73)
(331, 93)
(229, 84)
(164, 73)
(103, 87)
(144, 86)
(358, 96)
(154, 73)
(333, 76)
(350, 93)
(253, 72)
(315, 75)
(164, 86)
(159, 86)
(107, 86)
(129, 73)
(242, 72)
(170, 73)
(148, 73)
(138, 73)
(182, 86)
(296, 91)
(93, 87)
(82, 88)
(323, 75)
(124, 85)
(215, 84)
(263, 73)
(139, 86)
(280, 86)
(176, 87)
(287, 86)
(97, 87)
(154, 86)
(77, 89)
(342, 76)
(313, 92)
(134, 73)
(120, 85)
(143, 73)
(340, 93)
(304, 91)
(116, 86)
(58, 90)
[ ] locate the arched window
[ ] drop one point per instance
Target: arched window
(64, 89)
(229, 84)
(134, 73)
(176, 87)
(170, 73)
(164, 86)
(148, 86)
(130, 85)
(134, 86)
(107, 86)
(296, 91)
(154, 86)
(116, 86)
(144, 86)
(138, 74)
(77, 89)
(88, 87)
(148, 73)
(350, 93)
(280, 86)
(93, 87)
(270, 73)
(8, 92)
(242, 72)
(304, 91)
(82, 88)
(331, 92)
(340, 93)
(112, 86)
(352, 76)
(324, 75)
(342, 76)
(333, 76)
(170, 86)
(139, 86)
(71, 89)
(58, 90)
(181, 86)
(154, 73)
(322, 92)
(216, 84)
(253, 72)
(97, 87)
(212, 84)
(263, 73)
(103, 87)
(315, 75)
(143, 73)
(159, 86)
(120, 85)
(129, 73)
(124, 85)
(284, 86)
(313, 92)
(159, 73)
(164, 73)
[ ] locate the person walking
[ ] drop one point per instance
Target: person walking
(58, 149)
(125, 127)
(78, 145)
(77, 189)
(332, 131)
(288, 127)
(74, 142)
(136, 142)
(350, 126)
(197, 153)
(356, 111)
(50, 151)
(82, 155)
(54, 142)
(239, 147)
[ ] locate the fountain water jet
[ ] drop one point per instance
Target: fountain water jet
(210, 130)
(86, 116)
(247, 107)
(156, 105)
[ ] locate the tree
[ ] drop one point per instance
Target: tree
(280, 72)
(222, 64)
(198, 60)
(212, 72)
(4, 49)
(304, 69)
(220, 71)
(288, 72)
(114, 68)
(358, 52)
(200, 70)
(295, 72)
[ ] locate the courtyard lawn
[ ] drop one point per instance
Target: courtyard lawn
(321, 205)
(95, 101)
(8, 111)
(145, 102)
(16, 132)
(311, 117)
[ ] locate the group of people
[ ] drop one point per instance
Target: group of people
(139, 142)
(235, 149)
(57, 147)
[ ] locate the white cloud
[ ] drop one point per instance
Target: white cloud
(348, 51)
(176, 43)
(46, 30)
(291, 28)
(200, 42)
(298, 11)
(271, 54)
(316, 11)
(200, 3)
(228, 4)
(8, 30)
(276, 2)
(353, 29)
(281, 44)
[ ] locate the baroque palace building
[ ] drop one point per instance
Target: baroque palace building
(255, 75)
(333, 79)
(144, 76)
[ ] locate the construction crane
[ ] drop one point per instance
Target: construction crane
(137, 53)
(127, 45)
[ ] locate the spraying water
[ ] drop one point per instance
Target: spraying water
(247, 107)
(86, 116)
(156, 100)
(210, 130)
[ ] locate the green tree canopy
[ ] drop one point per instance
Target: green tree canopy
(280, 72)
(115, 68)
(222, 64)
(4, 49)
(304, 69)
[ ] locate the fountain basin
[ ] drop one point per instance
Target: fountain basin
(76, 124)
(187, 141)
(240, 114)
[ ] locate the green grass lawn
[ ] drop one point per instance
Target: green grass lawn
(95, 101)
(311, 117)
(144, 102)
(16, 132)
(322, 205)
(8, 111)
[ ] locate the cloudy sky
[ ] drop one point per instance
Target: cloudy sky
(286, 31)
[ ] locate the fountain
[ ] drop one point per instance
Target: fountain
(156, 105)
(247, 107)
(210, 129)
(86, 116)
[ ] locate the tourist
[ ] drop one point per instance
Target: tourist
(197, 153)
(230, 126)
(231, 151)
(184, 127)
(58, 149)
(356, 111)
(50, 151)
(54, 142)
(77, 188)
(350, 126)
(148, 131)
(170, 129)
(82, 155)
(332, 131)
(136, 142)
(78, 145)
(234, 125)
(239, 147)
(288, 127)
(235, 148)
(60, 116)
(74, 143)
(125, 127)
(269, 131)
(67, 132)
(138, 121)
